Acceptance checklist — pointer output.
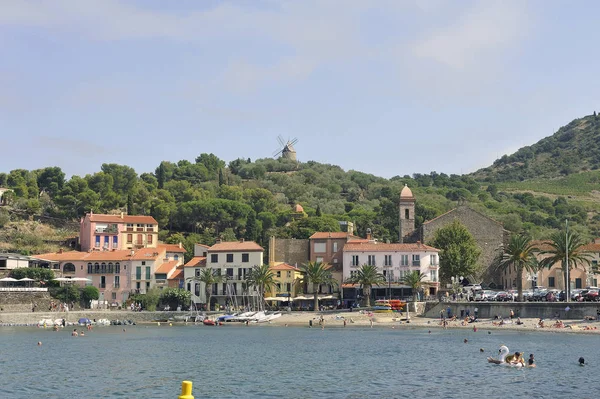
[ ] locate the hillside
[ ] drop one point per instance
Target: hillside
(572, 149)
(202, 200)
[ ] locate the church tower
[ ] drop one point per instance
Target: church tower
(407, 213)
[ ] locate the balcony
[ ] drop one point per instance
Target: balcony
(117, 285)
(416, 263)
(108, 230)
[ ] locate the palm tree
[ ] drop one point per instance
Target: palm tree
(316, 273)
(208, 276)
(367, 276)
(565, 245)
(262, 278)
(414, 280)
(519, 253)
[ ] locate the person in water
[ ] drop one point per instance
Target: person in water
(74, 333)
(531, 361)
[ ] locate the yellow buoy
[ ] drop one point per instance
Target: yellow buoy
(186, 390)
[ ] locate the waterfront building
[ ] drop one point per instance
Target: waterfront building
(117, 232)
(285, 277)
(394, 261)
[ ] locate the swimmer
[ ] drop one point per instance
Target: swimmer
(481, 350)
(39, 343)
(124, 330)
(74, 333)
(489, 332)
(531, 361)
(81, 333)
(581, 361)
(474, 328)
(466, 340)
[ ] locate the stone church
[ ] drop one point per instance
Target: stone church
(489, 234)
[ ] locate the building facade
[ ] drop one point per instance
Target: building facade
(117, 232)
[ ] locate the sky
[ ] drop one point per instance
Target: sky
(388, 87)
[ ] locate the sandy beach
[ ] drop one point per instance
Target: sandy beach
(392, 320)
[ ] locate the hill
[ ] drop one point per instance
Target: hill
(572, 149)
(202, 200)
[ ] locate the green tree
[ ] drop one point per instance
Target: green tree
(262, 278)
(565, 245)
(253, 228)
(89, 293)
(459, 253)
(175, 297)
(318, 212)
(519, 254)
(414, 280)
(38, 274)
(305, 227)
(211, 162)
(208, 276)
(367, 276)
(316, 273)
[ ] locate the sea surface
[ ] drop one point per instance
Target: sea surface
(291, 362)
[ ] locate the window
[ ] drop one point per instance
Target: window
(90, 268)
(69, 268)
(147, 286)
(139, 227)
(115, 241)
(230, 272)
(114, 296)
(278, 287)
(578, 283)
(229, 258)
(117, 281)
(354, 260)
(403, 260)
(551, 282)
(288, 287)
(97, 241)
(245, 258)
(197, 272)
(96, 267)
(320, 247)
(214, 258)
(149, 227)
(103, 267)
(143, 263)
(176, 257)
(371, 260)
(137, 286)
(150, 238)
(433, 260)
(129, 226)
(148, 277)
(102, 281)
(197, 289)
(335, 246)
(406, 214)
(140, 239)
(433, 275)
(129, 238)
(138, 273)
(117, 267)
(387, 260)
(106, 240)
(289, 274)
(416, 260)
(278, 273)
(111, 267)
(594, 267)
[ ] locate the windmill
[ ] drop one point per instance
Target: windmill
(286, 149)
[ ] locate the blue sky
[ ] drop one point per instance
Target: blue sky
(388, 87)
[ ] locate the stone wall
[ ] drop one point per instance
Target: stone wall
(290, 250)
(24, 301)
(488, 234)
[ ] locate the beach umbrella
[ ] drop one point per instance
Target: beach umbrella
(7, 279)
(26, 279)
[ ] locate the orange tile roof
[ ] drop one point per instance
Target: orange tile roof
(284, 266)
(166, 267)
(178, 275)
(236, 246)
(591, 247)
(196, 261)
(125, 219)
(62, 256)
(100, 256)
(172, 248)
(350, 246)
(325, 234)
(148, 254)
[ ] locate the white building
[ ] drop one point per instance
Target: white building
(394, 261)
(233, 260)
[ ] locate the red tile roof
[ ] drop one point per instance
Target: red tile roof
(166, 267)
(178, 275)
(172, 248)
(232, 246)
(350, 246)
(196, 261)
(125, 219)
(592, 247)
(148, 254)
(284, 266)
(64, 256)
(319, 235)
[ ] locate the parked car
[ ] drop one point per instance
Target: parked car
(527, 295)
(592, 295)
(551, 296)
(538, 295)
(484, 295)
(576, 294)
(504, 296)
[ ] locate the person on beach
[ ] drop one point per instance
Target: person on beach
(512, 314)
(371, 321)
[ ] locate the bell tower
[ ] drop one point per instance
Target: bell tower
(407, 213)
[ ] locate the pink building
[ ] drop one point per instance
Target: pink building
(117, 232)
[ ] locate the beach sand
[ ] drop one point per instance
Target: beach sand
(393, 320)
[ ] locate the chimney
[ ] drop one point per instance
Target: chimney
(60, 251)
(241, 240)
(419, 244)
(180, 245)
(132, 253)
(369, 234)
(218, 241)
(122, 214)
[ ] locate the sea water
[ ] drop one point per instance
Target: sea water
(291, 362)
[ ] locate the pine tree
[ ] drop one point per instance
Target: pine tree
(318, 213)
(160, 176)
(129, 204)
(221, 177)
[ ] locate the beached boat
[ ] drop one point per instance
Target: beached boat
(382, 306)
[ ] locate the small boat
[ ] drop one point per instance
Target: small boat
(227, 317)
(208, 322)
